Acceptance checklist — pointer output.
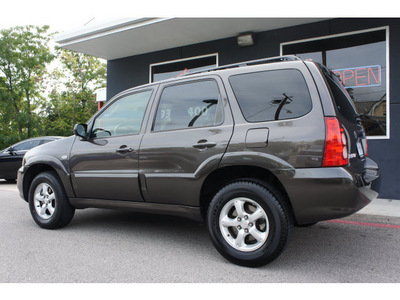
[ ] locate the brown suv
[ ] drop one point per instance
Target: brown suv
(251, 148)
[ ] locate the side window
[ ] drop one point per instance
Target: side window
(123, 117)
(27, 145)
(194, 104)
(271, 95)
(46, 141)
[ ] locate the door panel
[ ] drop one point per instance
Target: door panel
(10, 163)
(106, 165)
(191, 130)
(100, 172)
(174, 170)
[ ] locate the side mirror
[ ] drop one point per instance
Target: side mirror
(81, 130)
(11, 151)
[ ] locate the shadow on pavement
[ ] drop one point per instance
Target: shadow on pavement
(327, 247)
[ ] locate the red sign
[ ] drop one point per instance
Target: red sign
(360, 76)
(185, 71)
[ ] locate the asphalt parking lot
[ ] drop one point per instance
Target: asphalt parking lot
(107, 246)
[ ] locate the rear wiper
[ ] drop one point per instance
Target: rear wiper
(359, 117)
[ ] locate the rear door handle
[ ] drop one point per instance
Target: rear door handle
(124, 149)
(204, 144)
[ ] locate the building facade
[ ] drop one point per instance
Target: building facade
(363, 52)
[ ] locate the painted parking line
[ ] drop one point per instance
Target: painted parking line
(365, 224)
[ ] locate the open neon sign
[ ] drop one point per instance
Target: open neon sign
(360, 76)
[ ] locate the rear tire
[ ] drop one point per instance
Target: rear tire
(48, 202)
(249, 223)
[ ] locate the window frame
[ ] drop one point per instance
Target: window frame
(387, 59)
(180, 60)
(111, 103)
(162, 87)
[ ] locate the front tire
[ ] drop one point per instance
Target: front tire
(249, 223)
(48, 202)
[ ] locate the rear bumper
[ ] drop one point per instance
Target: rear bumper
(330, 193)
(371, 171)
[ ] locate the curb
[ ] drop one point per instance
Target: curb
(382, 207)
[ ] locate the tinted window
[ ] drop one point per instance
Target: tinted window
(47, 141)
(26, 145)
(188, 105)
(123, 117)
(271, 95)
(340, 95)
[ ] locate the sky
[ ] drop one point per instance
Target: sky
(60, 15)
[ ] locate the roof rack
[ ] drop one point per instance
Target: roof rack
(250, 63)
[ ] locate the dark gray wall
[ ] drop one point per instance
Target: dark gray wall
(133, 71)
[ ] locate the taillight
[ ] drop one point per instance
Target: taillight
(365, 144)
(335, 153)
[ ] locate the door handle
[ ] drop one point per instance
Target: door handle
(204, 144)
(124, 149)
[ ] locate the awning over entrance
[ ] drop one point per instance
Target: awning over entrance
(119, 38)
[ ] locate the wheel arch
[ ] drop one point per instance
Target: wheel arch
(223, 176)
(33, 169)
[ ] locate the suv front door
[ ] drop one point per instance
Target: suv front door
(187, 135)
(106, 165)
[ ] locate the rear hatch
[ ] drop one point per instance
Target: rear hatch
(350, 120)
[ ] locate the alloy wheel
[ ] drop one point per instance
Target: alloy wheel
(244, 224)
(44, 201)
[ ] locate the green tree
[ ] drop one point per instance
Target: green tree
(24, 54)
(76, 103)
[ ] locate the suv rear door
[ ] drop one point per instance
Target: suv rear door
(187, 135)
(350, 120)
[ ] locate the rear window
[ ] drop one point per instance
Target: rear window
(341, 98)
(271, 95)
